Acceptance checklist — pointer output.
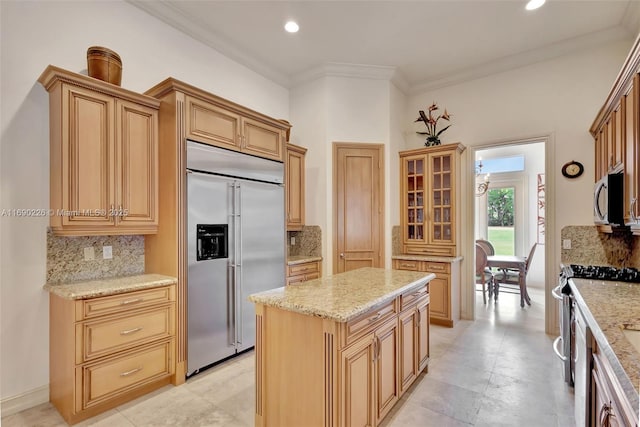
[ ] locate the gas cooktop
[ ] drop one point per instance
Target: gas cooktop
(604, 273)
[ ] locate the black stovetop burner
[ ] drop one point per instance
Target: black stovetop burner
(605, 273)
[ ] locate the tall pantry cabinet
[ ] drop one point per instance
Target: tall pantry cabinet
(429, 222)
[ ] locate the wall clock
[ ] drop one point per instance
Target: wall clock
(572, 169)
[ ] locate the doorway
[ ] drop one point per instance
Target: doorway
(359, 206)
(507, 212)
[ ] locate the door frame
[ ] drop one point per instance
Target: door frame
(381, 223)
(551, 266)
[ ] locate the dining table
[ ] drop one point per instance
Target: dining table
(511, 262)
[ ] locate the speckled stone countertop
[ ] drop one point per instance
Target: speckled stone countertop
(110, 286)
(301, 259)
(432, 258)
(606, 305)
(343, 296)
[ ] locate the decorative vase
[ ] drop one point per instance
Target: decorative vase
(104, 64)
(431, 141)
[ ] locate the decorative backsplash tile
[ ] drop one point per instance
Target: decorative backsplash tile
(308, 241)
(65, 257)
(590, 247)
(396, 240)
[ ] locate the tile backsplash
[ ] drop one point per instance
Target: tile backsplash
(66, 263)
(308, 241)
(590, 247)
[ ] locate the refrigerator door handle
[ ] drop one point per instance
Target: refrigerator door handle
(231, 296)
(239, 327)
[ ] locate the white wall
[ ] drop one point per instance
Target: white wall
(33, 35)
(560, 98)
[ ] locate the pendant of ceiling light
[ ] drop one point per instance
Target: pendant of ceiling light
(483, 186)
(534, 4)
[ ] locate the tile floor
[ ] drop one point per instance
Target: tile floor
(497, 371)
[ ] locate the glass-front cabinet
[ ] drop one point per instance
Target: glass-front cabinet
(429, 199)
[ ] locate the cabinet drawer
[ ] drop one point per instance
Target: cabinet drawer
(401, 264)
(132, 300)
(438, 267)
(101, 337)
(367, 322)
(430, 250)
(409, 299)
(306, 268)
(109, 378)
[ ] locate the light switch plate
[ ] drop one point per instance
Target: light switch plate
(107, 252)
(566, 244)
(89, 254)
(293, 241)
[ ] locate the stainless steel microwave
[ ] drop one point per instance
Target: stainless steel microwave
(608, 200)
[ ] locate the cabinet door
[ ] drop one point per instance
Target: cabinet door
(413, 199)
(387, 390)
(618, 120)
(357, 383)
(88, 166)
(262, 140)
(295, 187)
(408, 340)
(137, 161)
(632, 153)
(439, 295)
(422, 323)
(212, 124)
(441, 230)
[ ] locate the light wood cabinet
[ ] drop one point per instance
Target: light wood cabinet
(339, 373)
(444, 289)
(297, 273)
(221, 123)
(430, 199)
(294, 186)
(608, 407)
(105, 351)
(616, 131)
(103, 157)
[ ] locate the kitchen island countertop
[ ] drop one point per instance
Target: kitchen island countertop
(606, 305)
(109, 286)
(343, 296)
(301, 259)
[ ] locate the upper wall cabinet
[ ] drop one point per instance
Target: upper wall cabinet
(103, 156)
(294, 183)
(216, 121)
(617, 135)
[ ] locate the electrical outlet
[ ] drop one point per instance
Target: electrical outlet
(107, 252)
(89, 254)
(293, 241)
(566, 244)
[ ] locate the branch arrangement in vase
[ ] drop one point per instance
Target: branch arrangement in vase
(433, 134)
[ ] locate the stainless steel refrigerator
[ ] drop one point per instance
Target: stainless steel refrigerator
(236, 245)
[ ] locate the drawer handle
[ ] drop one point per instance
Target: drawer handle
(417, 294)
(436, 267)
(131, 301)
(407, 265)
(376, 317)
(131, 372)
(131, 331)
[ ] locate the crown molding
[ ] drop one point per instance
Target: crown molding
(191, 26)
(358, 71)
(533, 56)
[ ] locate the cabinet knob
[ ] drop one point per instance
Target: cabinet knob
(342, 255)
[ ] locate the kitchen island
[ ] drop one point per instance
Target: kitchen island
(340, 350)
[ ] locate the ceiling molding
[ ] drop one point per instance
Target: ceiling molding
(176, 18)
(358, 71)
(523, 59)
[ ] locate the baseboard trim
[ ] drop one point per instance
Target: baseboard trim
(29, 399)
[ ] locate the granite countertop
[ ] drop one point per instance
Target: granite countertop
(343, 296)
(433, 258)
(301, 259)
(110, 286)
(606, 305)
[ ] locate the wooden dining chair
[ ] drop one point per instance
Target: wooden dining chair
(508, 276)
(483, 274)
(487, 246)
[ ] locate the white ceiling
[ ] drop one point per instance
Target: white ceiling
(427, 43)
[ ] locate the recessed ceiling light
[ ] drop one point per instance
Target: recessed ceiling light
(534, 4)
(291, 27)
